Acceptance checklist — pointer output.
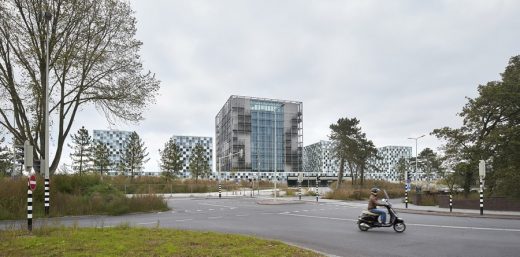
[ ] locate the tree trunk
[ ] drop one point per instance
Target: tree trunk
(341, 170)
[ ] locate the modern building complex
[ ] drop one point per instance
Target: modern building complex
(116, 141)
(186, 145)
(319, 158)
(268, 131)
(386, 162)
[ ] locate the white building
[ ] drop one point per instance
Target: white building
(116, 142)
(186, 145)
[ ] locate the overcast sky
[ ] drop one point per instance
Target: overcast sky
(403, 68)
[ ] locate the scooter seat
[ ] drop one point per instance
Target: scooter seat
(367, 212)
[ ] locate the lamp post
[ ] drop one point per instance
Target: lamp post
(406, 171)
(275, 154)
(241, 153)
(48, 17)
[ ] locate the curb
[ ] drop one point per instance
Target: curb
(459, 214)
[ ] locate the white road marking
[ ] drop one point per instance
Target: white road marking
(242, 215)
(471, 228)
(146, 223)
(217, 205)
(419, 225)
(199, 210)
(215, 217)
(317, 217)
(183, 220)
(211, 209)
(305, 210)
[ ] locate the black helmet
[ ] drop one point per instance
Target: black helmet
(374, 190)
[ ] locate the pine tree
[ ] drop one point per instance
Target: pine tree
(135, 154)
(199, 166)
(5, 159)
(171, 163)
(100, 158)
(82, 148)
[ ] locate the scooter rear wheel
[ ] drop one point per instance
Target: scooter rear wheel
(399, 227)
(361, 227)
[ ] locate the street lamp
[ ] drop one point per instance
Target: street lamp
(48, 17)
(406, 171)
(241, 153)
(275, 147)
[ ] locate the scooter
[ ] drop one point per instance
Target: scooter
(368, 220)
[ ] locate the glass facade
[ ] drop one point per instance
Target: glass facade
(256, 126)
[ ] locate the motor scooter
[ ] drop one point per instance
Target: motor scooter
(368, 220)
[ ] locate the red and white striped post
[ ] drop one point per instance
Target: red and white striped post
(31, 185)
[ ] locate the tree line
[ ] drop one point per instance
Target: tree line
(93, 155)
(490, 132)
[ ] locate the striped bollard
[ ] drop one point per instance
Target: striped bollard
(219, 190)
(299, 190)
(29, 209)
(451, 202)
(481, 198)
(406, 198)
(47, 194)
(317, 192)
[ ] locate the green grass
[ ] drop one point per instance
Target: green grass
(127, 241)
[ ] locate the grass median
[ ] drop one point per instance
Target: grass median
(124, 240)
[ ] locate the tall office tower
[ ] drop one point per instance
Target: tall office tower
(388, 157)
(263, 129)
(186, 145)
(116, 141)
(319, 159)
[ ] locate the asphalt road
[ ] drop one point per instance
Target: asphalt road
(329, 228)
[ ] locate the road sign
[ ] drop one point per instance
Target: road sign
(482, 169)
(32, 182)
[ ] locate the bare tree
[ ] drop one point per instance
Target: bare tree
(93, 60)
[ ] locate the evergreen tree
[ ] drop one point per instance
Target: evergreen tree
(171, 163)
(430, 164)
(199, 166)
(5, 159)
(135, 154)
(100, 158)
(351, 147)
(401, 167)
(82, 148)
(491, 132)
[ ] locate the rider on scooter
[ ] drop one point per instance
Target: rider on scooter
(373, 203)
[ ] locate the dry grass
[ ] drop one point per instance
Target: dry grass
(347, 191)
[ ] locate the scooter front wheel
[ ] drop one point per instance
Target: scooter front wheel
(399, 227)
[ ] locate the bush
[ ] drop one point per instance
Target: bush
(72, 195)
(347, 191)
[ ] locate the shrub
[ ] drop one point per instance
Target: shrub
(72, 195)
(347, 191)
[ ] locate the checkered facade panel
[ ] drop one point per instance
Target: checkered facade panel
(319, 158)
(116, 141)
(186, 146)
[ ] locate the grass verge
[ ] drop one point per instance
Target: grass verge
(127, 241)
